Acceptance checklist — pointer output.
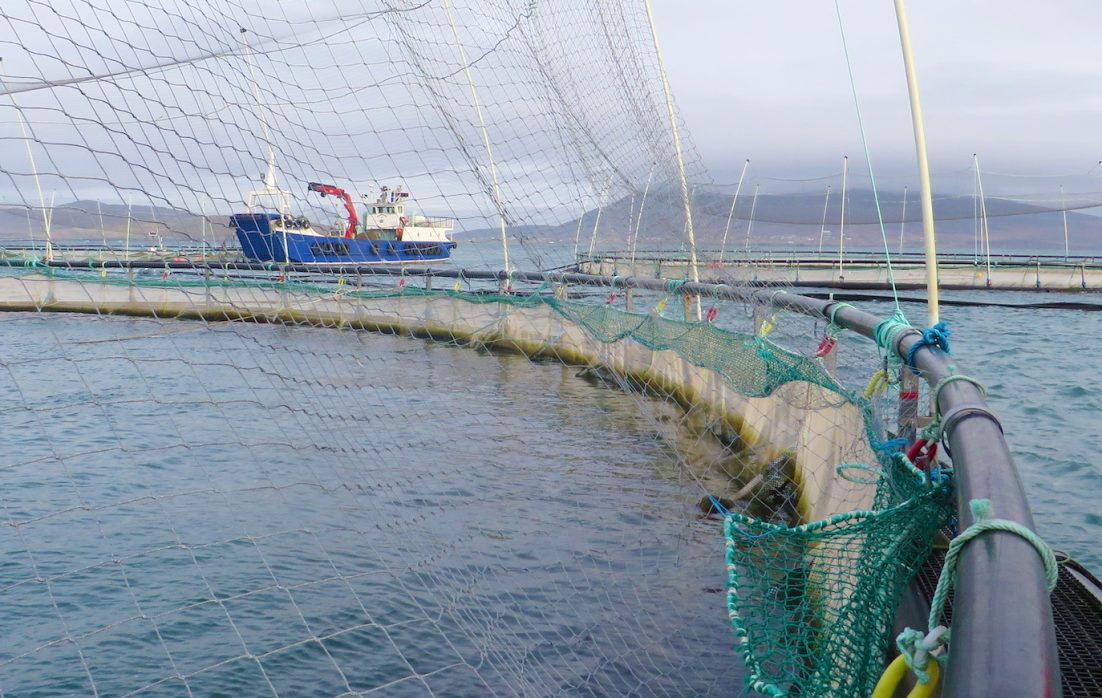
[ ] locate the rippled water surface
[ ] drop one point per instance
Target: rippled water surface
(251, 510)
(257, 510)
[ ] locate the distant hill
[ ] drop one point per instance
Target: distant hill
(91, 220)
(780, 220)
(796, 220)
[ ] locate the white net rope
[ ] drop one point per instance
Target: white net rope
(300, 505)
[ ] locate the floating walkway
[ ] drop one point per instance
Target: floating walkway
(864, 270)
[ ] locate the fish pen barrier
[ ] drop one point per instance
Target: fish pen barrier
(813, 595)
(412, 349)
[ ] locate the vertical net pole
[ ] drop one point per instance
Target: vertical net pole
(750, 223)
(485, 135)
(923, 165)
(842, 221)
(694, 272)
(1064, 212)
(983, 218)
(731, 213)
(903, 220)
(823, 224)
(34, 167)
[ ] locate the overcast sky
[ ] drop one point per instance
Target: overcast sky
(1018, 81)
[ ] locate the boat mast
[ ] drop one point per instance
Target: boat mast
(270, 188)
(923, 166)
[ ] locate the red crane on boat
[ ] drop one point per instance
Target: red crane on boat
(329, 189)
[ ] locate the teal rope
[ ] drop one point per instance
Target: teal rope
(932, 432)
(843, 468)
(868, 158)
(917, 648)
(888, 331)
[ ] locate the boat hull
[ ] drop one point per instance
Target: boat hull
(262, 244)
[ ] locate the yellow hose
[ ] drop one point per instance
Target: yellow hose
(885, 687)
(877, 384)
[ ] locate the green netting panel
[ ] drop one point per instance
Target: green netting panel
(752, 365)
(813, 605)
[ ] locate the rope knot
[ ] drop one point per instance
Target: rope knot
(917, 649)
(936, 336)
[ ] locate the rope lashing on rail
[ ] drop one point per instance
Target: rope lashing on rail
(936, 336)
(833, 326)
(888, 332)
(918, 648)
(932, 432)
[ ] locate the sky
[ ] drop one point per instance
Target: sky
(1017, 81)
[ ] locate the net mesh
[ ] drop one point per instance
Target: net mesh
(236, 476)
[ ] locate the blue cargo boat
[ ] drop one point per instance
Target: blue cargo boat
(386, 236)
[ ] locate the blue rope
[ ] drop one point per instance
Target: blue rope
(891, 445)
(718, 507)
(936, 336)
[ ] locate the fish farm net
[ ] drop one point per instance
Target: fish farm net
(404, 475)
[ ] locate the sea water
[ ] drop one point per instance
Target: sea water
(253, 510)
(241, 509)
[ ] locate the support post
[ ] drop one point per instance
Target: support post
(923, 166)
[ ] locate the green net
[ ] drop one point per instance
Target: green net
(813, 605)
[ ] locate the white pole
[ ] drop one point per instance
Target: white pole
(750, 223)
(597, 221)
(578, 234)
(923, 166)
(823, 225)
(102, 232)
(731, 213)
(129, 210)
(34, 167)
(903, 220)
(842, 220)
(639, 220)
(1064, 211)
(695, 272)
(485, 135)
(975, 210)
(984, 230)
(202, 229)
